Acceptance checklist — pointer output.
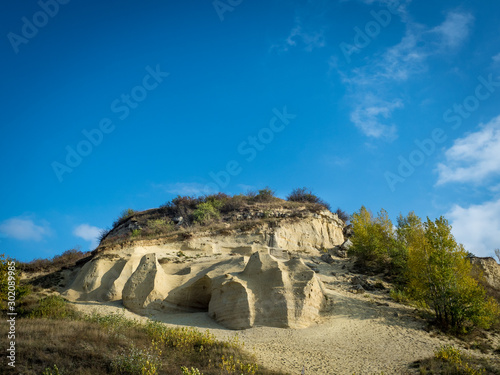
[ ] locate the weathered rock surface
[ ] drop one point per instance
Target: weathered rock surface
(147, 287)
(267, 293)
(241, 278)
(491, 271)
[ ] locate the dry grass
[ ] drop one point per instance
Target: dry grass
(94, 345)
(66, 260)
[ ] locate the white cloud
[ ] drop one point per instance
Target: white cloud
(496, 58)
(455, 29)
(24, 229)
(185, 188)
(474, 158)
(300, 37)
(382, 74)
(477, 227)
(88, 233)
(370, 116)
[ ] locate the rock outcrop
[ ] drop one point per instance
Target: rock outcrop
(267, 293)
(147, 287)
(242, 278)
(490, 270)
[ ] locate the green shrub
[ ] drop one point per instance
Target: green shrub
(399, 296)
(186, 339)
(159, 226)
(51, 371)
(124, 216)
(112, 322)
(53, 307)
(135, 233)
(264, 195)
(182, 206)
(216, 200)
(455, 361)
(138, 361)
(206, 212)
(192, 371)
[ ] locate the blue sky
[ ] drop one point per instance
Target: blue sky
(118, 104)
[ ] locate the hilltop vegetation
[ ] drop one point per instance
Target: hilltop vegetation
(217, 213)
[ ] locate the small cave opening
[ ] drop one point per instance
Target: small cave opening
(197, 296)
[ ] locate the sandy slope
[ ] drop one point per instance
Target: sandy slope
(358, 333)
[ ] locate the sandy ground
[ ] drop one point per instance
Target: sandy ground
(358, 333)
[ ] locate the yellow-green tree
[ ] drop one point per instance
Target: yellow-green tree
(439, 275)
(373, 237)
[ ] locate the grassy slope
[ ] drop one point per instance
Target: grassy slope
(53, 334)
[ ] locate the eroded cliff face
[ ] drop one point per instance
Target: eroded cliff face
(241, 278)
(267, 293)
(490, 270)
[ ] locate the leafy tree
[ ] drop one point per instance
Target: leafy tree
(373, 237)
(439, 276)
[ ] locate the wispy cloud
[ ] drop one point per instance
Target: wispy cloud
(301, 37)
(477, 227)
(371, 86)
(455, 29)
(88, 233)
(371, 114)
(184, 188)
(496, 58)
(24, 229)
(473, 158)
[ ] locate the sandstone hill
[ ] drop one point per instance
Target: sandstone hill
(244, 268)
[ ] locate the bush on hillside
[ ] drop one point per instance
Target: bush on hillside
(344, 216)
(235, 203)
(206, 212)
(66, 259)
(304, 195)
(263, 196)
(124, 216)
(182, 206)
